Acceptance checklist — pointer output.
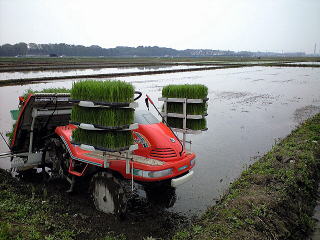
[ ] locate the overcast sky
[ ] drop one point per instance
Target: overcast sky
(254, 25)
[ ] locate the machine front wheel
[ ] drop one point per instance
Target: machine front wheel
(163, 196)
(108, 193)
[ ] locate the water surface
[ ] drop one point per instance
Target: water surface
(75, 72)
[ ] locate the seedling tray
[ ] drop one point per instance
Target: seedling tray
(181, 100)
(99, 104)
(95, 148)
(180, 115)
(96, 127)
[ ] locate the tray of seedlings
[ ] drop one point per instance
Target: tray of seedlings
(104, 114)
(185, 107)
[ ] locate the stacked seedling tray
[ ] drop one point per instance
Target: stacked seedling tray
(185, 107)
(104, 114)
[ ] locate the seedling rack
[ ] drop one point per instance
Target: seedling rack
(124, 152)
(94, 127)
(184, 116)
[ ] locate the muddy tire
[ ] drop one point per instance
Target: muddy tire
(59, 157)
(108, 194)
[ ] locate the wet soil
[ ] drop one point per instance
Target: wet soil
(316, 233)
(143, 219)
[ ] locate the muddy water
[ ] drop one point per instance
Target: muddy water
(249, 110)
(306, 63)
(59, 73)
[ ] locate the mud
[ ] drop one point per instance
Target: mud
(143, 219)
(302, 114)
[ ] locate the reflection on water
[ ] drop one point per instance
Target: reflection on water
(306, 63)
(248, 109)
(75, 72)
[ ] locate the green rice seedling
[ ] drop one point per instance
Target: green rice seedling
(26, 94)
(192, 108)
(190, 91)
(102, 116)
(194, 124)
(104, 91)
(46, 90)
(10, 133)
(197, 124)
(110, 140)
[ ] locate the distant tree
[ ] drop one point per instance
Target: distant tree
(120, 51)
(21, 48)
(7, 50)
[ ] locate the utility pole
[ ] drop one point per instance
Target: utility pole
(315, 49)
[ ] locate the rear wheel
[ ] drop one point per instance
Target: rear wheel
(108, 193)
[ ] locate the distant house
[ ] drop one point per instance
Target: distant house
(53, 55)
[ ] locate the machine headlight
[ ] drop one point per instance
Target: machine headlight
(192, 162)
(152, 174)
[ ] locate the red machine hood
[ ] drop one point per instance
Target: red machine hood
(157, 141)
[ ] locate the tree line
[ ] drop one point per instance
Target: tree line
(63, 49)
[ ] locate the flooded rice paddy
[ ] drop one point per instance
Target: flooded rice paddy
(249, 109)
(94, 71)
(306, 63)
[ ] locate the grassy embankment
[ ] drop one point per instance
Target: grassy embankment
(274, 198)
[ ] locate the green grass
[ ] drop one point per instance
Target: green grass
(35, 211)
(190, 91)
(104, 91)
(110, 140)
(102, 116)
(272, 199)
(194, 124)
(28, 218)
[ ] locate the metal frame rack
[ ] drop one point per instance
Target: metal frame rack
(108, 153)
(183, 115)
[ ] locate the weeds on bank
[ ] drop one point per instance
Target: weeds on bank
(274, 198)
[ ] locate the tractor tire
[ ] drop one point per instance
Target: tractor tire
(108, 194)
(59, 158)
(163, 196)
